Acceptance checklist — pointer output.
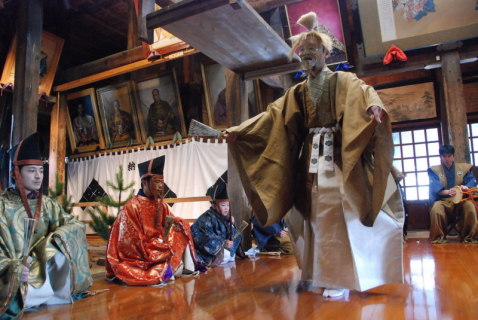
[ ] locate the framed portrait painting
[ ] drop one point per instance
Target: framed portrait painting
(330, 23)
(214, 82)
(160, 108)
(51, 47)
(118, 115)
(84, 128)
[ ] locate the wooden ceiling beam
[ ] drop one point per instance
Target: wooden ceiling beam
(138, 65)
(265, 5)
(401, 77)
(279, 69)
(110, 62)
(421, 61)
(229, 32)
(183, 10)
(258, 5)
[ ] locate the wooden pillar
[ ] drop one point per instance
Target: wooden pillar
(133, 37)
(27, 64)
(144, 8)
(57, 141)
(236, 98)
(455, 105)
(237, 112)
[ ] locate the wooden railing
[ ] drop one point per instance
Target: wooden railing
(167, 200)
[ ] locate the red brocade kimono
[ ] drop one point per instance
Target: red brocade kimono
(140, 251)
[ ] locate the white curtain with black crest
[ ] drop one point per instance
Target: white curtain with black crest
(190, 169)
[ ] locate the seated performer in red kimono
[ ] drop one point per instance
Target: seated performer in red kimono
(148, 245)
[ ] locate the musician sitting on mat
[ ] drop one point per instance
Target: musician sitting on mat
(273, 238)
(216, 238)
(447, 182)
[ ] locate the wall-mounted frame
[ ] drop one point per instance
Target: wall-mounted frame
(84, 127)
(330, 23)
(119, 115)
(51, 47)
(470, 92)
(270, 88)
(214, 82)
(253, 97)
(414, 24)
(159, 106)
(411, 102)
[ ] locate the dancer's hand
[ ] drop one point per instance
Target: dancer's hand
(376, 113)
(230, 137)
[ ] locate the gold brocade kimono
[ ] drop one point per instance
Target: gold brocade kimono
(57, 232)
(272, 153)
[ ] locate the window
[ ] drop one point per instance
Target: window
(473, 141)
(414, 152)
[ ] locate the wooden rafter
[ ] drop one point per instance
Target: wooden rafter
(230, 32)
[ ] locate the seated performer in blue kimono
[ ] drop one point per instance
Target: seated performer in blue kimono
(273, 238)
(448, 181)
(215, 237)
(54, 266)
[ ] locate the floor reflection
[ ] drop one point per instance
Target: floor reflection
(440, 283)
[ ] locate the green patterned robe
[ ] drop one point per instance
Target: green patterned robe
(57, 232)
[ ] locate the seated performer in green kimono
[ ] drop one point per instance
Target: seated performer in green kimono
(214, 230)
(57, 266)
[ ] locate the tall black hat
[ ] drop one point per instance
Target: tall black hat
(28, 151)
(218, 191)
(151, 167)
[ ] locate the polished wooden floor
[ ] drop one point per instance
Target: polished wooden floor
(441, 282)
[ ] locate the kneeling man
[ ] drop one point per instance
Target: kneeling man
(215, 236)
(148, 245)
(50, 267)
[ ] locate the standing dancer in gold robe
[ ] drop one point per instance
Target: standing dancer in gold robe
(323, 151)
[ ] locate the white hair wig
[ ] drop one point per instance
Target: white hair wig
(311, 23)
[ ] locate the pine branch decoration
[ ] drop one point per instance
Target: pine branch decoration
(101, 221)
(58, 194)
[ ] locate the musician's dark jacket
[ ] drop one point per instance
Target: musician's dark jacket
(210, 232)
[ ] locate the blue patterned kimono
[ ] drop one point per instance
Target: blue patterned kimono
(210, 232)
